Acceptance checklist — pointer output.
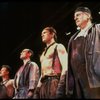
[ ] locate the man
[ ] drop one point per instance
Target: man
(6, 85)
(27, 76)
(53, 67)
(84, 55)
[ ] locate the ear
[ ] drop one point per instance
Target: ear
(88, 15)
(30, 54)
(7, 72)
(53, 34)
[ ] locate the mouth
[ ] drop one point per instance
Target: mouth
(42, 38)
(77, 21)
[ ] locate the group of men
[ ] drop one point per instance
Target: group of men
(64, 74)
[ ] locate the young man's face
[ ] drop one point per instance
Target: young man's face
(81, 18)
(46, 36)
(4, 72)
(24, 54)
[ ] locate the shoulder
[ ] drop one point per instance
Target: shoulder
(97, 25)
(10, 82)
(60, 46)
(34, 64)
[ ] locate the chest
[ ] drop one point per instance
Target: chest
(48, 54)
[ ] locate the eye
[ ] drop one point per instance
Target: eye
(77, 15)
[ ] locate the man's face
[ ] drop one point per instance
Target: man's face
(4, 72)
(81, 18)
(24, 54)
(46, 36)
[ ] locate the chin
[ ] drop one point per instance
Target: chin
(78, 24)
(21, 57)
(44, 41)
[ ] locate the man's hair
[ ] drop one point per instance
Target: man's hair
(30, 51)
(7, 67)
(52, 30)
(84, 9)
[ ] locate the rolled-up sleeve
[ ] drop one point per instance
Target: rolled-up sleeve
(33, 76)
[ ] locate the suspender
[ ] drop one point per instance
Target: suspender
(54, 56)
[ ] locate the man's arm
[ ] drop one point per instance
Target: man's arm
(63, 57)
(33, 78)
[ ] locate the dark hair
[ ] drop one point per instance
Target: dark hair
(84, 9)
(52, 30)
(30, 51)
(7, 67)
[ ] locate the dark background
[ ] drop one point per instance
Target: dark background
(21, 24)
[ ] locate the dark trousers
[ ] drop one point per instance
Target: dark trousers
(49, 87)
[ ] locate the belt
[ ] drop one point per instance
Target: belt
(46, 78)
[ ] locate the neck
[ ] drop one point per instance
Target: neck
(49, 43)
(26, 60)
(48, 46)
(5, 78)
(89, 23)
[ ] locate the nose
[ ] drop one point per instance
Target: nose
(20, 53)
(75, 17)
(42, 34)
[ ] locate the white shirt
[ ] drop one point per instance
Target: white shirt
(84, 31)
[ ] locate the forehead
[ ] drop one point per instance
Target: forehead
(45, 30)
(3, 68)
(78, 12)
(25, 50)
